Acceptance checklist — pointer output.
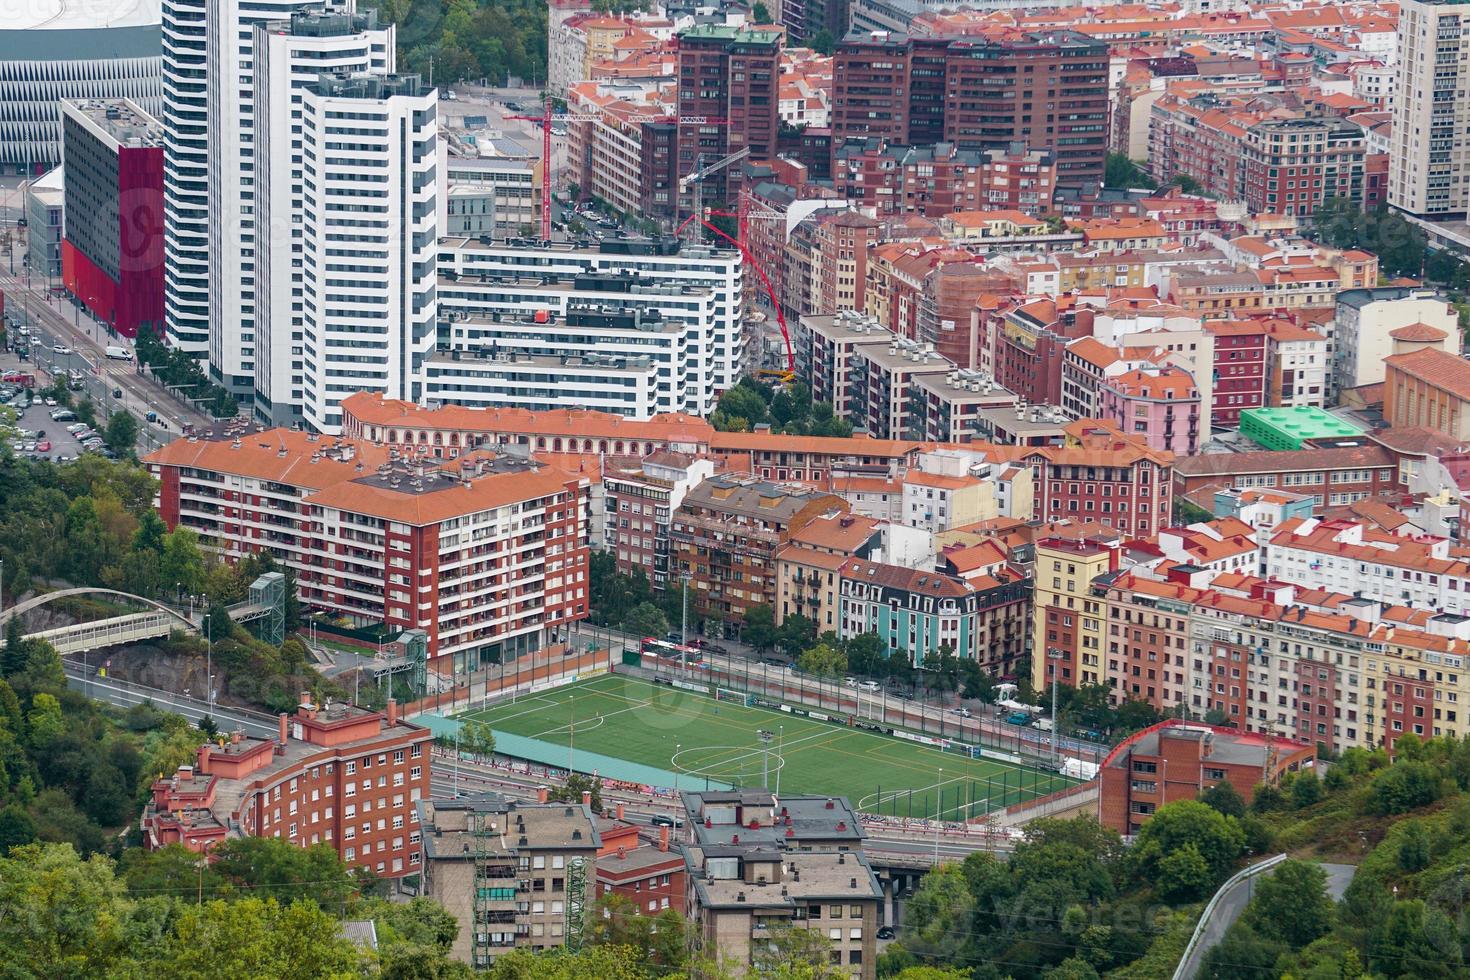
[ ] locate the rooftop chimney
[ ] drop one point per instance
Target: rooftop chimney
(663, 838)
(285, 727)
(619, 811)
(543, 794)
(392, 712)
(586, 797)
(202, 765)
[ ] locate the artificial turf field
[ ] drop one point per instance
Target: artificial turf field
(699, 736)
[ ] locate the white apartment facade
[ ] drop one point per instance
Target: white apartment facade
(230, 159)
(370, 211)
(680, 306)
(1365, 319)
(1429, 159)
(185, 119)
(1413, 570)
(289, 58)
(621, 385)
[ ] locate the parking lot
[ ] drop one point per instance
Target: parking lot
(37, 419)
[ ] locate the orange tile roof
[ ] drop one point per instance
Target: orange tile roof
(1418, 333)
(280, 455)
(811, 556)
(372, 408)
(839, 532)
(940, 481)
(1435, 367)
(451, 500)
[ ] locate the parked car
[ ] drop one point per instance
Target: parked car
(117, 393)
(962, 712)
(664, 820)
(1018, 718)
(61, 349)
(849, 682)
(51, 403)
(886, 932)
(870, 686)
(44, 446)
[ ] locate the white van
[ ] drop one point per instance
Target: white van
(119, 353)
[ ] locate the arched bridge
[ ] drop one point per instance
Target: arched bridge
(266, 602)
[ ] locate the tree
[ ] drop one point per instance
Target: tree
(270, 866)
(1187, 184)
(1242, 953)
(822, 42)
(121, 432)
(1405, 786)
(1184, 875)
(1121, 172)
(1306, 789)
(60, 919)
(760, 13)
(795, 634)
(182, 562)
(865, 654)
(575, 786)
(16, 828)
(256, 937)
(1224, 798)
(1072, 968)
(1218, 838)
(937, 919)
(1290, 904)
(790, 949)
(645, 619)
(760, 627)
(823, 661)
(476, 738)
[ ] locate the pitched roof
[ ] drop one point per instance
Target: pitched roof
(439, 504)
(1418, 333)
(1435, 367)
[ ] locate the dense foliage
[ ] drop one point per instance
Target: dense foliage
(467, 40)
(789, 410)
(165, 914)
(176, 369)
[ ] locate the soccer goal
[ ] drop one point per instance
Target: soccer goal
(738, 697)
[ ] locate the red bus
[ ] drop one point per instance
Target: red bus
(674, 652)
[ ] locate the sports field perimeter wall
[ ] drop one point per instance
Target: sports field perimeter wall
(549, 667)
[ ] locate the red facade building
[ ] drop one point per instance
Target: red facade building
(1106, 477)
(1240, 369)
(336, 774)
(1176, 760)
(112, 253)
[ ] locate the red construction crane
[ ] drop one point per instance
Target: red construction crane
(545, 121)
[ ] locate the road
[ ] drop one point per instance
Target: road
(87, 340)
(1233, 902)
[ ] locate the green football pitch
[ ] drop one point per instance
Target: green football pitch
(701, 737)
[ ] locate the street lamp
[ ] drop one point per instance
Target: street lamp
(780, 756)
(208, 660)
(939, 804)
(678, 746)
(571, 731)
(1055, 656)
(765, 737)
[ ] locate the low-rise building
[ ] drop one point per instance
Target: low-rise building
(725, 537)
(1178, 760)
(1160, 404)
(336, 774)
(1335, 476)
(642, 498)
(1429, 387)
(512, 874)
(741, 896)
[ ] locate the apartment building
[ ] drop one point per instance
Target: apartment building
(650, 876)
(758, 863)
(1178, 760)
(112, 249)
(642, 497)
(1106, 476)
(514, 875)
(1365, 321)
(725, 536)
(950, 409)
(880, 379)
(451, 431)
(1428, 387)
(290, 55)
(1299, 364)
(812, 459)
(336, 774)
(372, 329)
(486, 557)
(503, 192)
(1068, 617)
(939, 179)
(1427, 155)
(1240, 369)
(1348, 556)
(807, 567)
(977, 94)
(740, 896)
(728, 81)
(1331, 477)
(615, 383)
(824, 346)
(1161, 404)
(697, 341)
